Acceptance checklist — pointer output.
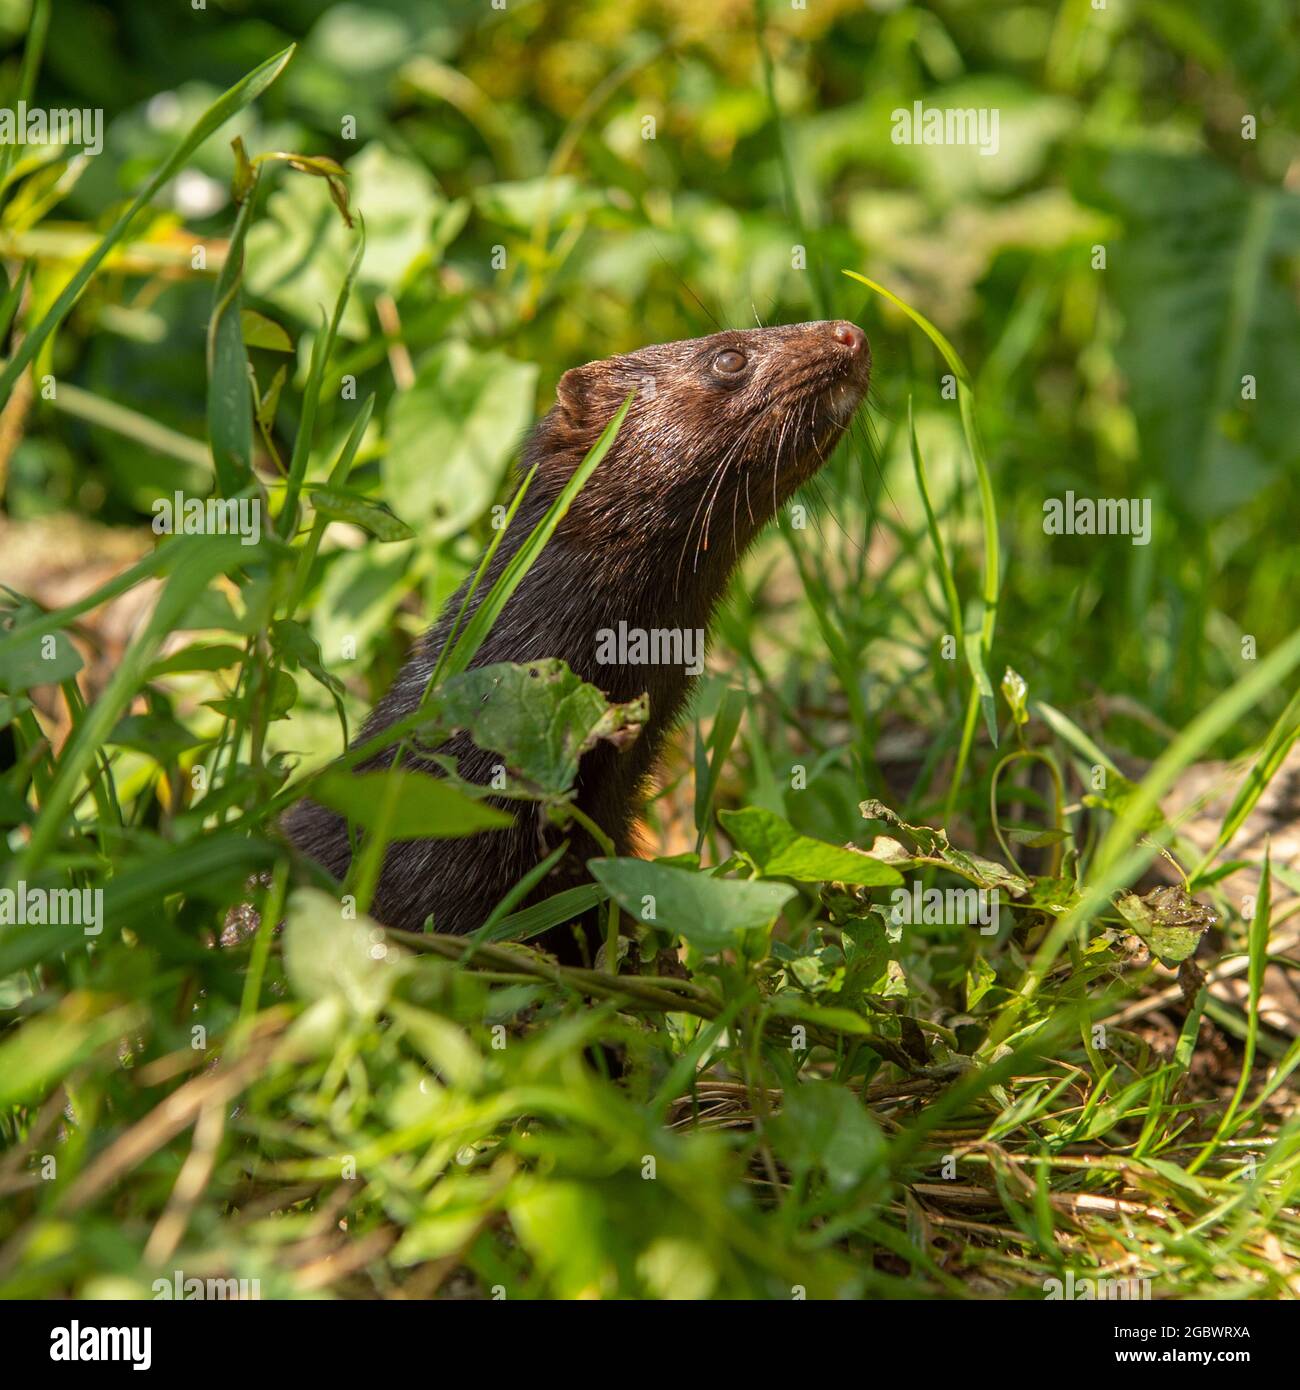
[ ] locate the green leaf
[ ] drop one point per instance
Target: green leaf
(1168, 920)
(931, 847)
(299, 252)
(561, 907)
(452, 434)
(156, 735)
(200, 657)
(39, 659)
(1271, 757)
(1256, 39)
(471, 637)
(984, 687)
(825, 1127)
(230, 388)
(1200, 314)
(40, 1053)
(329, 956)
(540, 717)
(780, 851)
(262, 332)
(710, 913)
(408, 805)
(980, 978)
(300, 648)
(342, 504)
(284, 695)
(1037, 839)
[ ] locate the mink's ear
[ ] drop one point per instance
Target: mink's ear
(574, 391)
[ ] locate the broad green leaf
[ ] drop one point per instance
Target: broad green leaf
(156, 735)
(780, 851)
(40, 659)
(563, 1227)
(825, 1127)
(330, 956)
(710, 913)
(409, 805)
(540, 717)
(931, 847)
(262, 332)
(452, 434)
(1201, 314)
(40, 1053)
(283, 696)
(298, 253)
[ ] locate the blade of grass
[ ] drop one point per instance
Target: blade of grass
(338, 476)
(478, 627)
(1258, 946)
(484, 565)
(716, 752)
(37, 28)
(1276, 747)
(320, 351)
(131, 424)
(932, 523)
(988, 505)
(230, 399)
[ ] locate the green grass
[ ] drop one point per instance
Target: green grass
(830, 1104)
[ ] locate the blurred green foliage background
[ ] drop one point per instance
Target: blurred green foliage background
(1113, 276)
(519, 223)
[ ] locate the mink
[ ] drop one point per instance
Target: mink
(721, 431)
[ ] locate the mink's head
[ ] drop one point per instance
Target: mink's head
(721, 431)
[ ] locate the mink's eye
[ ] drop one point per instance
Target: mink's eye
(729, 362)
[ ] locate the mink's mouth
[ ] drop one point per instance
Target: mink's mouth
(840, 401)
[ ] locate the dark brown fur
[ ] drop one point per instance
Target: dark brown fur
(703, 461)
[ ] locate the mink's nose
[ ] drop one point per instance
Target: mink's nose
(849, 336)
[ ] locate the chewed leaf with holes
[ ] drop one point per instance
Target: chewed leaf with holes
(1168, 920)
(540, 717)
(930, 846)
